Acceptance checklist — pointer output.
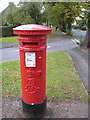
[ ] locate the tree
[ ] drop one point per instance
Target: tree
(45, 15)
(32, 10)
(86, 43)
(25, 13)
(7, 12)
(63, 14)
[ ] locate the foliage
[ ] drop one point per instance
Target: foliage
(75, 26)
(83, 28)
(81, 23)
(32, 9)
(7, 12)
(6, 31)
(26, 13)
(62, 79)
(81, 43)
(44, 17)
(79, 27)
(62, 14)
(85, 12)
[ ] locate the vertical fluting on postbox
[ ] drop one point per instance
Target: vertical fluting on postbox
(32, 46)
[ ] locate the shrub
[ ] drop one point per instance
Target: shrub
(81, 43)
(83, 27)
(79, 27)
(81, 23)
(75, 26)
(6, 31)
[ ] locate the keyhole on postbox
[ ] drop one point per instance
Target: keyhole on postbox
(38, 73)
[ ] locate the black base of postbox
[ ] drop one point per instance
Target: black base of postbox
(34, 110)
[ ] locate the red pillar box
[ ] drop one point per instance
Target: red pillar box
(32, 46)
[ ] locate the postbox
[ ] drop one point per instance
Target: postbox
(32, 48)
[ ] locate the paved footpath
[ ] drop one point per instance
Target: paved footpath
(75, 109)
(80, 60)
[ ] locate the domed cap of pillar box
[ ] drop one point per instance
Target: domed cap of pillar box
(32, 29)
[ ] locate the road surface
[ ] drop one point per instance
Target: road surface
(11, 54)
(59, 43)
(79, 34)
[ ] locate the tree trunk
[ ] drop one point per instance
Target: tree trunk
(59, 25)
(63, 27)
(86, 43)
(69, 27)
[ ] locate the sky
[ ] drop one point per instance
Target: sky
(5, 3)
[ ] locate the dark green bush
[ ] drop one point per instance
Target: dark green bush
(81, 24)
(6, 31)
(76, 27)
(83, 27)
(79, 27)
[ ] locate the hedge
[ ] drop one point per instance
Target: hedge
(83, 28)
(75, 26)
(6, 31)
(78, 27)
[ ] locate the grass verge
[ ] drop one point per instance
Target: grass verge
(69, 36)
(62, 79)
(9, 39)
(52, 35)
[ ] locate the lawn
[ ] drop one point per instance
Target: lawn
(62, 81)
(15, 39)
(9, 39)
(52, 35)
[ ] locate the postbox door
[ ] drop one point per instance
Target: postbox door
(33, 76)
